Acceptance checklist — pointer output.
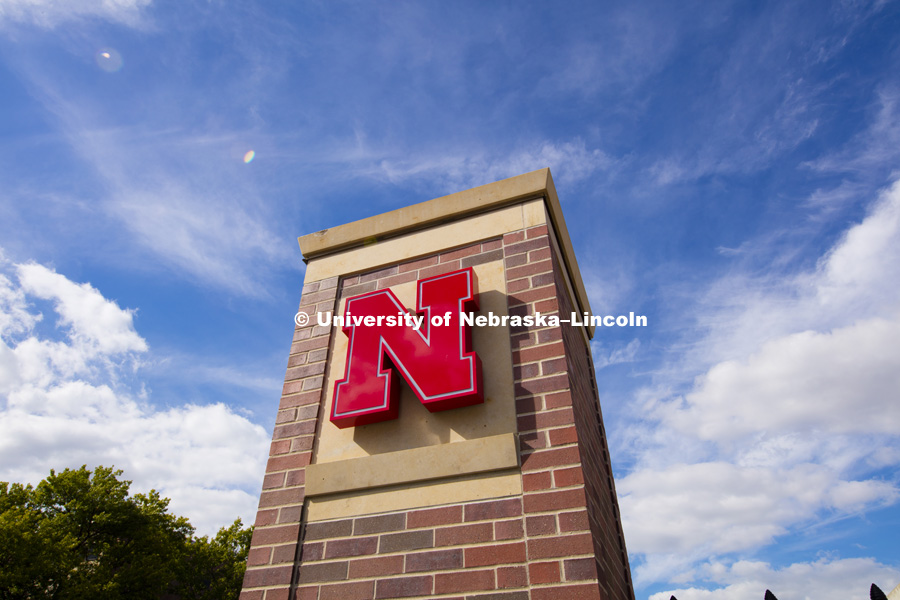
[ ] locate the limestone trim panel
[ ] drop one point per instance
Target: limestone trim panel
(465, 488)
(417, 464)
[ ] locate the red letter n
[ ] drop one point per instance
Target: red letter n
(437, 361)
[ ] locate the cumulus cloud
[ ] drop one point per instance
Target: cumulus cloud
(14, 314)
(803, 380)
(722, 507)
(91, 318)
(847, 579)
(61, 405)
(821, 352)
(795, 416)
(859, 276)
(50, 13)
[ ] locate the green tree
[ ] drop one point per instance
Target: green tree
(27, 564)
(214, 568)
(80, 534)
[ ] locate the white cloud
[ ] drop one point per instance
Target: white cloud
(803, 380)
(860, 275)
(793, 418)
(853, 282)
(793, 366)
(63, 407)
(824, 579)
(684, 512)
(92, 318)
(50, 13)
(14, 315)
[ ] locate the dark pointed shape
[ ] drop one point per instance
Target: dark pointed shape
(672, 598)
(875, 593)
(770, 596)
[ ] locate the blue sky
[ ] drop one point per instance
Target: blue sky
(729, 169)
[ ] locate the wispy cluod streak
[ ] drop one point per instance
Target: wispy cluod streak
(875, 149)
(187, 198)
(184, 202)
(624, 354)
(51, 13)
(217, 241)
(569, 161)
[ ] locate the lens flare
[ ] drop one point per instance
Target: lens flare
(249, 156)
(109, 59)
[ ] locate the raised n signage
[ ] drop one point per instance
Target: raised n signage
(431, 350)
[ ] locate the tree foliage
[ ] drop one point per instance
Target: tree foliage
(80, 534)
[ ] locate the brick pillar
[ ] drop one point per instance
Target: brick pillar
(357, 514)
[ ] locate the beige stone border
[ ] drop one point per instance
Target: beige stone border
(454, 490)
(480, 455)
(485, 198)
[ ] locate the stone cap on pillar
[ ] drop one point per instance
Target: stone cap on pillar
(482, 199)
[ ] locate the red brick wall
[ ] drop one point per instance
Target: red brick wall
(568, 499)
(611, 557)
(467, 550)
(543, 544)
